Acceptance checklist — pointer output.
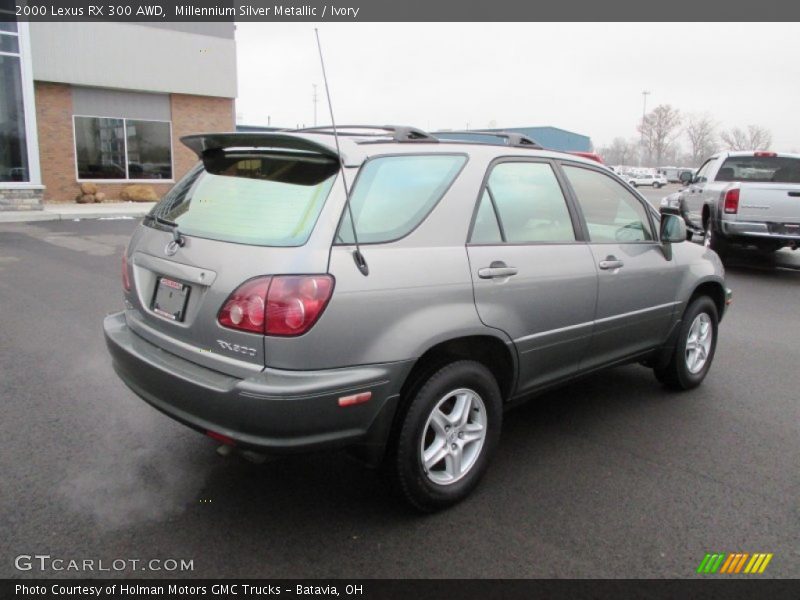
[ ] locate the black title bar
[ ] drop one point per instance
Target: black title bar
(729, 588)
(401, 10)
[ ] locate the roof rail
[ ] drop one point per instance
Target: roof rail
(512, 138)
(399, 133)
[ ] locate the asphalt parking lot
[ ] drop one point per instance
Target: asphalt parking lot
(612, 476)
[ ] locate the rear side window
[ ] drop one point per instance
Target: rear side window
(394, 194)
(260, 199)
(773, 169)
(612, 213)
(530, 205)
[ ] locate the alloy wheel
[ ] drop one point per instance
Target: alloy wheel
(453, 436)
(698, 343)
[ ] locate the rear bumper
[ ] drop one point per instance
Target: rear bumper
(772, 231)
(273, 410)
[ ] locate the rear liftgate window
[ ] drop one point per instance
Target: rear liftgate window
(257, 199)
(762, 169)
(394, 194)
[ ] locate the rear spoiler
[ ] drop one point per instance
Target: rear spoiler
(204, 143)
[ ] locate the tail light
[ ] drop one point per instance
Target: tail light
(732, 201)
(769, 154)
(126, 279)
(284, 305)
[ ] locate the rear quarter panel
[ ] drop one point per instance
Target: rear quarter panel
(418, 292)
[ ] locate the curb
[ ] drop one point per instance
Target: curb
(71, 214)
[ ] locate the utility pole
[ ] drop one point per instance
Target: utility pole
(314, 85)
(645, 94)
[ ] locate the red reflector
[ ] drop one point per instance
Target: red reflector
(223, 439)
(355, 399)
(126, 280)
(732, 201)
(765, 154)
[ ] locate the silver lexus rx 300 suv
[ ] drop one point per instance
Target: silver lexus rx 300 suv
(396, 294)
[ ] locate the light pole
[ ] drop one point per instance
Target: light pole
(645, 94)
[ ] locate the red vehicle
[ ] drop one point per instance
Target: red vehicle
(590, 155)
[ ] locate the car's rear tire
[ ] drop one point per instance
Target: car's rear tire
(768, 250)
(712, 239)
(694, 348)
(448, 435)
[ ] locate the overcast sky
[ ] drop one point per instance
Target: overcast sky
(586, 78)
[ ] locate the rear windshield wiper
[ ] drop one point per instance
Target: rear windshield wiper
(164, 221)
(177, 237)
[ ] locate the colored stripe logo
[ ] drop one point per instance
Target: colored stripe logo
(736, 562)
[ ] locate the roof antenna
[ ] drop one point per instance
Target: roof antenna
(359, 259)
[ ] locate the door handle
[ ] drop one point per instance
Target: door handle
(497, 270)
(611, 262)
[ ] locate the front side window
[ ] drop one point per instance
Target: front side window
(702, 172)
(258, 199)
(529, 204)
(611, 212)
(109, 148)
(394, 194)
(486, 229)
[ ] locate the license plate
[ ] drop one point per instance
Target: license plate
(170, 299)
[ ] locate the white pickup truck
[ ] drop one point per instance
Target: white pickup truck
(746, 198)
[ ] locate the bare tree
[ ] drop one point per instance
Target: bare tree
(619, 152)
(755, 138)
(702, 135)
(660, 129)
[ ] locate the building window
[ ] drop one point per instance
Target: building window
(13, 146)
(108, 148)
(149, 150)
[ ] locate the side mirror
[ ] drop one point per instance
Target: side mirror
(673, 229)
(686, 177)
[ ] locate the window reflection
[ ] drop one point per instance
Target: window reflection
(109, 148)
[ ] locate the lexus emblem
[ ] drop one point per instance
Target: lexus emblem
(171, 248)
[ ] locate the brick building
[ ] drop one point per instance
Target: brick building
(107, 103)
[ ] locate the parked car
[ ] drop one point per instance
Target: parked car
(656, 181)
(743, 198)
(266, 308)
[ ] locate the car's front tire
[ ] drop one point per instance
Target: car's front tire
(694, 348)
(448, 435)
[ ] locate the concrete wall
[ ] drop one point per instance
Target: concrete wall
(171, 58)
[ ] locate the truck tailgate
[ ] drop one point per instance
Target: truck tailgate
(769, 202)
